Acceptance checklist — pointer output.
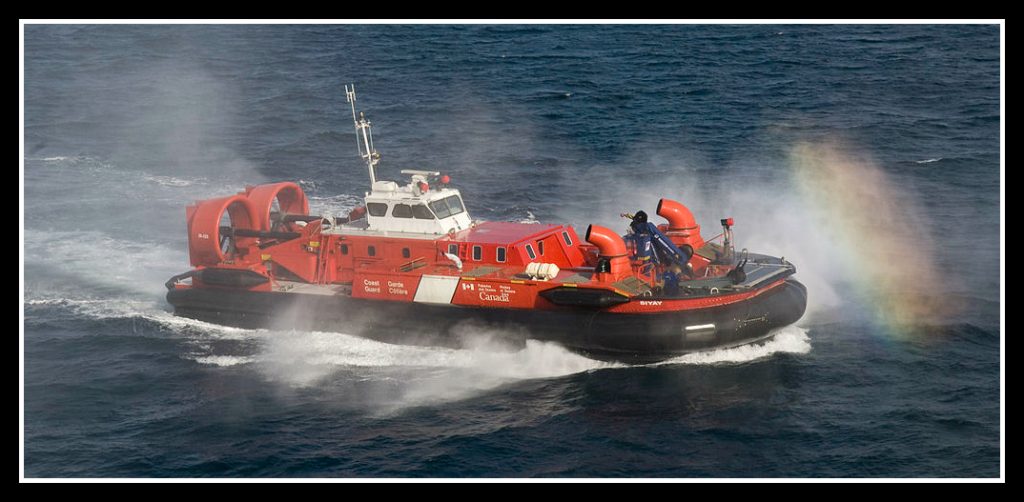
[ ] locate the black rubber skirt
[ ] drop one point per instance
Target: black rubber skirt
(594, 332)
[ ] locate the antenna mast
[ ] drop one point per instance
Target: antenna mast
(364, 144)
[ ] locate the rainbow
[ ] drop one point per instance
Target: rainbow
(880, 237)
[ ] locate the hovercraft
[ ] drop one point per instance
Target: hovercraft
(411, 266)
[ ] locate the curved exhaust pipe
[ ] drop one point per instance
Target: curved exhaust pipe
(682, 228)
(613, 264)
(679, 216)
(607, 241)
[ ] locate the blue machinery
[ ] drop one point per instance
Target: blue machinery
(653, 246)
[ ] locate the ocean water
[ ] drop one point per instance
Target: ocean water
(867, 155)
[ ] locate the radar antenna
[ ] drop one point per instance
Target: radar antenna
(364, 144)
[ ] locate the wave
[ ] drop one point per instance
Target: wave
(787, 340)
(223, 361)
(172, 181)
(96, 308)
(338, 205)
(387, 377)
(94, 260)
(530, 218)
(303, 357)
(927, 161)
(63, 158)
(328, 351)
(340, 350)
(94, 175)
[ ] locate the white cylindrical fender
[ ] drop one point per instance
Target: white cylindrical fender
(547, 271)
(531, 268)
(542, 271)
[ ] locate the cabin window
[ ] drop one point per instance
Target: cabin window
(447, 206)
(406, 253)
(501, 255)
(344, 249)
(453, 249)
(529, 251)
(566, 238)
(540, 247)
(401, 211)
(377, 208)
(478, 253)
(421, 212)
(371, 250)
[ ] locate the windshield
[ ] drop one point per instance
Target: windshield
(446, 207)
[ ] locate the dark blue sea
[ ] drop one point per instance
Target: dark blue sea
(866, 155)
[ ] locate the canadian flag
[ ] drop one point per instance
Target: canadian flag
(469, 285)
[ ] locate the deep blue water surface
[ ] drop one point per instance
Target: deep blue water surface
(124, 125)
